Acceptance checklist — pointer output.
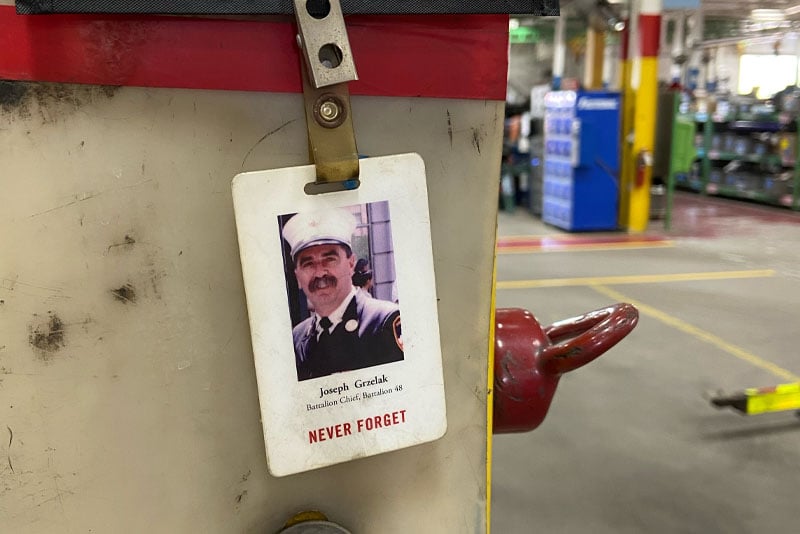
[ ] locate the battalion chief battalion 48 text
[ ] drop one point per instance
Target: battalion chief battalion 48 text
(342, 391)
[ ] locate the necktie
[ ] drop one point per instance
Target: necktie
(325, 323)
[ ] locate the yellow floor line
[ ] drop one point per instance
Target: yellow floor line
(490, 401)
(583, 247)
(633, 279)
(701, 334)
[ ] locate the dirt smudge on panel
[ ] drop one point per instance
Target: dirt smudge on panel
(46, 335)
(154, 276)
(450, 128)
(8, 453)
(155, 282)
(126, 244)
(49, 101)
(125, 294)
(476, 139)
(12, 94)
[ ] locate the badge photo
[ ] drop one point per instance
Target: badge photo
(342, 307)
(342, 319)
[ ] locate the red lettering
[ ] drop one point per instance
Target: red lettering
(378, 421)
(330, 432)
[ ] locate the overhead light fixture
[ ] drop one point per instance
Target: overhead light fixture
(767, 15)
(609, 16)
(790, 11)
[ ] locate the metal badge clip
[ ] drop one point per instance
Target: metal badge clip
(328, 67)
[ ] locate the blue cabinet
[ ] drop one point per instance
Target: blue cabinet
(580, 190)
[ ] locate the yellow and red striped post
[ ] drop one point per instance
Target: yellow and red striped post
(644, 87)
(628, 106)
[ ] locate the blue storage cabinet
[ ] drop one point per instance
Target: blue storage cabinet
(580, 189)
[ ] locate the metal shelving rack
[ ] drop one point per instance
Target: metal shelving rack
(730, 161)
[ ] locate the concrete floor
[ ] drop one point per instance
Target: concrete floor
(631, 443)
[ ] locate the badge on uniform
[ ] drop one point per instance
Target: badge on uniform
(341, 299)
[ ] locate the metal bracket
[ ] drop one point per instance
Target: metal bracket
(325, 50)
(323, 41)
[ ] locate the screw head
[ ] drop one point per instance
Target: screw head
(329, 110)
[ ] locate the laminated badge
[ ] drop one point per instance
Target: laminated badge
(341, 298)
(338, 272)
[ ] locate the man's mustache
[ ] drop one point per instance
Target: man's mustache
(322, 282)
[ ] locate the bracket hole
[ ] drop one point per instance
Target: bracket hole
(330, 56)
(318, 9)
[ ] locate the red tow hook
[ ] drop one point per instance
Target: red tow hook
(529, 360)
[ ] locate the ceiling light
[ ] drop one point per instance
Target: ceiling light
(794, 10)
(767, 15)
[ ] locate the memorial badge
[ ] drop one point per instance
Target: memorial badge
(338, 378)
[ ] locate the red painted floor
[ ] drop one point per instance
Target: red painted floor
(557, 242)
(696, 215)
(693, 216)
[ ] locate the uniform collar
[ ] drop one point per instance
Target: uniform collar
(336, 316)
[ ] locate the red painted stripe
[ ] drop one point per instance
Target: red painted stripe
(624, 40)
(565, 242)
(453, 56)
(650, 32)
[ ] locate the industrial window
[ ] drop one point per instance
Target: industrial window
(766, 74)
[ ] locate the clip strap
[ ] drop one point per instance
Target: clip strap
(327, 67)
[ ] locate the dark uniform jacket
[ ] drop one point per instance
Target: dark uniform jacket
(369, 334)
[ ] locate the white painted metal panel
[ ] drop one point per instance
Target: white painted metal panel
(127, 388)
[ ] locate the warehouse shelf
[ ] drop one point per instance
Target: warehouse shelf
(749, 194)
(715, 155)
(744, 157)
(754, 126)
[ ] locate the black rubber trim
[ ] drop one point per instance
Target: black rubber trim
(286, 7)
